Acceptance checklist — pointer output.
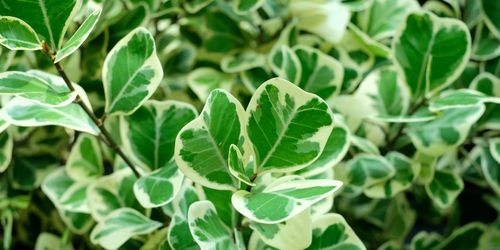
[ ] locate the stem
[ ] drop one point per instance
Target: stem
(104, 132)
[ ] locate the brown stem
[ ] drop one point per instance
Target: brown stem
(104, 132)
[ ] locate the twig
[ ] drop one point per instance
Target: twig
(104, 132)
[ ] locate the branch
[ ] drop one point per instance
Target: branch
(104, 132)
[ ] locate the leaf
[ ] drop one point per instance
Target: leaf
(367, 170)
(406, 172)
(424, 240)
(461, 98)
(444, 188)
(74, 199)
(469, 236)
(48, 241)
(15, 34)
(425, 61)
(282, 199)
(294, 233)
(111, 192)
(243, 61)
(159, 187)
(50, 19)
(446, 132)
(418, 117)
(236, 165)
(222, 202)
(131, 73)
(121, 225)
(490, 10)
(79, 36)
(364, 145)
(196, 5)
(320, 73)
(179, 235)
(203, 80)
(285, 63)
(85, 161)
(21, 112)
(28, 172)
(35, 89)
(245, 6)
(6, 149)
(288, 128)
(485, 45)
(382, 19)
(331, 231)
(363, 41)
(495, 149)
(335, 149)
(202, 146)
(149, 133)
(207, 228)
(490, 164)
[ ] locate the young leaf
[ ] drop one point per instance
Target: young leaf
(48, 18)
(321, 74)
(22, 112)
(461, 98)
(444, 188)
(15, 34)
(34, 88)
(331, 231)
(207, 228)
(285, 63)
(283, 199)
(294, 233)
(202, 146)
(382, 19)
(159, 187)
(79, 37)
(422, 60)
(85, 161)
(131, 73)
(288, 128)
(237, 166)
(121, 225)
(446, 132)
(6, 147)
(149, 133)
(368, 170)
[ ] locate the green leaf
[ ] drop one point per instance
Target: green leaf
(74, 199)
(79, 36)
(242, 61)
(121, 225)
(444, 188)
(35, 89)
(245, 6)
(285, 63)
(358, 38)
(207, 228)
(331, 231)
(425, 61)
(85, 161)
(149, 133)
(364, 145)
(196, 5)
(282, 199)
(202, 146)
(491, 14)
(294, 233)
(446, 132)
(406, 173)
(50, 19)
(320, 73)
(495, 149)
(335, 149)
(288, 128)
(485, 45)
(15, 34)
(382, 19)
(159, 187)
(490, 164)
(22, 112)
(6, 149)
(424, 240)
(237, 166)
(48, 241)
(203, 80)
(179, 235)
(469, 236)
(461, 98)
(111, 192)
(367, 170)
(131, 73)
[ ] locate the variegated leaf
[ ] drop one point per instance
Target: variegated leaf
(444, 188)
(285, 63)
(132, 72)
(85, 161)
(287, 127)
(15, 34)
(237, 165)
(179, 235)
(367, 170)
(461, 98)
(6, 149)
(331, 231)
(203, 80)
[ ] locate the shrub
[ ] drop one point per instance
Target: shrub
(264, 124)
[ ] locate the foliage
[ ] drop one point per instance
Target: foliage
(250, 124)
